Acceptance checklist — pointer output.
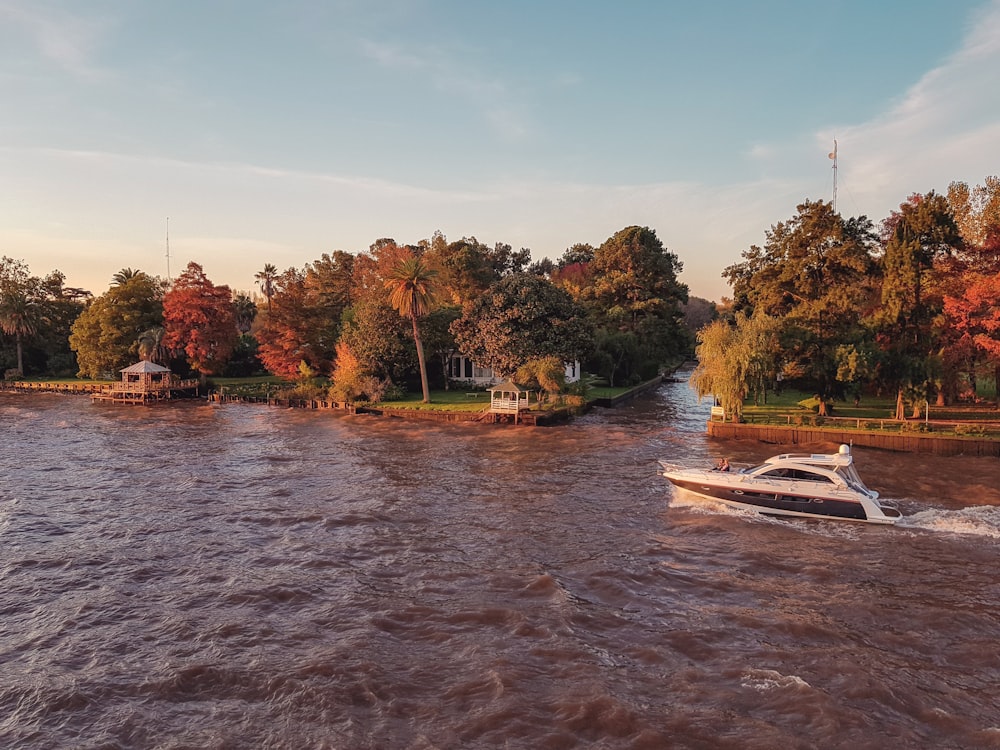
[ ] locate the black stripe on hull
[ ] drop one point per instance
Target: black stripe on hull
(775, 502)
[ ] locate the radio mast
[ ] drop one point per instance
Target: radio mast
(168, 249)
(833, 155)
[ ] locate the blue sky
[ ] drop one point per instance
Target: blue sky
(276, 132)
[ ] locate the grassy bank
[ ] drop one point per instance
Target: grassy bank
(785, 409)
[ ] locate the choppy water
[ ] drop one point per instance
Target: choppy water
(205, 576)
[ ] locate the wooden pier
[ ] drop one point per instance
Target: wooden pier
(145, 383)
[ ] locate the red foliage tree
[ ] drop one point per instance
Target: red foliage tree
(200, 321)
(975, 315)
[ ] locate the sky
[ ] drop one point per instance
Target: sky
(236, 133)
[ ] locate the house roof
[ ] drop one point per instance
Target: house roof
(144, 366)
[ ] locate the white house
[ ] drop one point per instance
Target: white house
(462, 369)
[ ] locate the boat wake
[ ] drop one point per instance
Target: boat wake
(981, 520)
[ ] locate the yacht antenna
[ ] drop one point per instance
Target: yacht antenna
(833, 155)
(168, 249)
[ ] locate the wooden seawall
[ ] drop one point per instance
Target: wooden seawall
(915, 443)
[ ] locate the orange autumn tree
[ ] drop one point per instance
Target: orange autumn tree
(200, 321)
(975, 315)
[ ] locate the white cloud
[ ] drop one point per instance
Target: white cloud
(489, 95)
(70, 41)
(946, 127)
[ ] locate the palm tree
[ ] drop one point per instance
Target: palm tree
(151, 346)
(18, 318)
(124, 276)
(265, 280)
(246, 311)
(411, 292)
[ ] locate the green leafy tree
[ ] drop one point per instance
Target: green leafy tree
(466, 269)
(635, 289)
(106, 335)
(817, 272)
(547, 373)
(919, 238)
(439, 341)
(412, 294)
(736, 359)
(200, 321)
(377, 337)
(520, 318)
(59, 306)
(124, 276)
(19, 310)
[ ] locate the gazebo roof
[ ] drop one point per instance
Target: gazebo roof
(508, 386)
(144, 366)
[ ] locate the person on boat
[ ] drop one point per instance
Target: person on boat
(723, 465)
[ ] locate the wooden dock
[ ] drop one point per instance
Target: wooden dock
(143, 393)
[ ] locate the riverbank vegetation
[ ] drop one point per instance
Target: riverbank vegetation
(371, 327)
(840, 309)
(833, 306)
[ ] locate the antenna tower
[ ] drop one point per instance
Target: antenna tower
(168, 249)
(833, 155)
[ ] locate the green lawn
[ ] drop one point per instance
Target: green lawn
(450, 400)
(979, 420)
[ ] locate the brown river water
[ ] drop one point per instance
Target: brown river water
(234, 576)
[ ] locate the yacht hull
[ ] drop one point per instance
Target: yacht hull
(770, 503)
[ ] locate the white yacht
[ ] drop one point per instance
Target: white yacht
(819, 485)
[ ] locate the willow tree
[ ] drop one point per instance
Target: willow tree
(411, 286)
(736, 360)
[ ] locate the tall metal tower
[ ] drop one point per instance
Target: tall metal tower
(168, 249)
(833, 155)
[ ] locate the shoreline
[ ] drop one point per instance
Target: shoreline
(939, 445)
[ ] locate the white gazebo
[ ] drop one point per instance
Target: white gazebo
(508, 398)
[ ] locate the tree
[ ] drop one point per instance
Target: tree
(245, 312)
(919, 238)
(466, 269)
(736, 359)
(58, 306)
(635, 289)
(520, 318)
(19, 314)
(200, 321)
(412, 293)
(378, 338)
(151, 346)
(303, 322)
(548, 373)
(817, 273)
(106, 335)
(438, 339)
(122, 277)
(266, 279)
(698, 313)
(976, 211)
(975, 315)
